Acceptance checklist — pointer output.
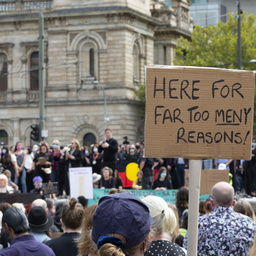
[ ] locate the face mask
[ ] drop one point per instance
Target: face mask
(38, 185)
(19, 147)
(132, 150)
(25, 150)
(95, 150)
(86, 152)
(163, 175)
(137, 147)
(55, 146)
(4, 151)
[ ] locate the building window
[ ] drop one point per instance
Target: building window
(92, 62)
(34, 72)
(89, 139)
(136, 64)
(3, 137)
(88, 61)
(3, 74)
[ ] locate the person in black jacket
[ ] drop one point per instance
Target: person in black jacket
(110, 148)
(163, 180)
(73, 159)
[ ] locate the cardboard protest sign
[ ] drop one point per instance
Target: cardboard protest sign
(199, 113)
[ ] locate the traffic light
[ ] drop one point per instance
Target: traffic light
(35, 133)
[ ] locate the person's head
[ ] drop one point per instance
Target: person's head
(38, 182)
(106, 173)
(75, 144)
(126, 225)
(7, 173)
(4, 206)
(86, 151)
(19, 206)
(15, 222)
(72, 215)
(201, 207)
(162, 173)
(40, 202)
(83, 201)
(43, 148)
(18, 146)
(208, 207)
(222, 194)
(56, 144)
(132, 150)
(3, 181)
(116, 174)
(108, 134)
(164, 219)
(245, 208)
(95, 178)
(38, 220)
(4, 151)
(50, 206)
(95, 148)
(182, 197)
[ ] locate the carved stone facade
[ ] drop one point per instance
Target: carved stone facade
(105, 40)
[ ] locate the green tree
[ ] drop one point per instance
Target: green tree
(216, 46)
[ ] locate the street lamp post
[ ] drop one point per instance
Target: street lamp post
(105, 106)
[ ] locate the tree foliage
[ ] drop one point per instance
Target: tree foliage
(216, 46)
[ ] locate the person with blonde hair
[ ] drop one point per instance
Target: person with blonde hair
(73, 159)
(4, 188)
(244, 207)
(164, 223)
(121, 225)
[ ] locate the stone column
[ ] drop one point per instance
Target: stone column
(16, 130)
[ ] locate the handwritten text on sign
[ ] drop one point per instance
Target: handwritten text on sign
(199, 112)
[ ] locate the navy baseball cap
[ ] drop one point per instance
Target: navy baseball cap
(122, 213)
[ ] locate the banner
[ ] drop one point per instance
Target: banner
(168, 195)
(25, 199)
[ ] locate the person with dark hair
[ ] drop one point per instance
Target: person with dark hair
(224, 231)
(8, 161)
(56, 218)
(110, 148)
(43, 163)
(182, 201)
(83, 201)
(118, 180)
(121, 225)
(17, 228)
(163, 180)
(71, 219)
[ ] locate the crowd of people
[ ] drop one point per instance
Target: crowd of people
(122, 224)
(27, 168)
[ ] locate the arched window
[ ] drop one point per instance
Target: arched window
(3, 137)
(34, 72)
(136, 64)
(3, 72)
(89, 139)
(88, 60)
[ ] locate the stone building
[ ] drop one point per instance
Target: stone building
(110, 41)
